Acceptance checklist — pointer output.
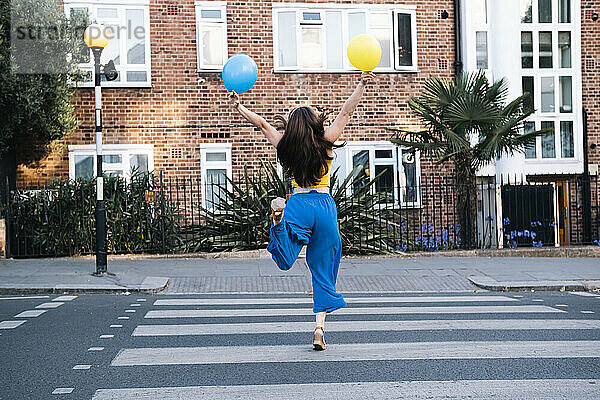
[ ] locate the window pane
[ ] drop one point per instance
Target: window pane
(547, 84)
(481, 50)
(357, 24)
(111, 159)
(545, 49)
(383, 35)
(107, 13)
(383, 154)
(480, 11)
(212, 44)
(215, 185)
(530, 151)
(545, 11)
(527, 49)
(564, 49)
(220, 156)
(362, 159)
(564, 11)
(404, 50)
(379, 19)
(335, 47)
(566, 94)
(527, 83)
(526, 12)
(136, 51)
(137, 76)
(385, 183)
(138, 163)
(84, 166)
(409, 178)
(286, 24)
(311, 16)
(311, 47)
(566, 139)
(112, 51)
(548, 144)
(210, 14)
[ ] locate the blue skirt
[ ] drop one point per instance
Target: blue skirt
(311, 219)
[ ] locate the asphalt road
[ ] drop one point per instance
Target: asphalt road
(486, 345)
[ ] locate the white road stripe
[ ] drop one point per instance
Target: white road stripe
(50, 305)
(308, 300)
(106, 336)
(82, 366)
(96, 349)
(11, 324)
(30, 314)
(585, 294)
(362, 326)
(64, 298)
(24, 298)
(550, 389)
(351, 311)
(356, 352)
(63, 391)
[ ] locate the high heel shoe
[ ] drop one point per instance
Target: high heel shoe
(319, 339)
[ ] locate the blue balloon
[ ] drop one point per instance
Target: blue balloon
(240, 73)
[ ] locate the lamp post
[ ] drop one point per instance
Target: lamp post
(96, 38)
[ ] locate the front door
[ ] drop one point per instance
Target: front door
(562, 190)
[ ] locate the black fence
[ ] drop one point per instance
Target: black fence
(182, 215)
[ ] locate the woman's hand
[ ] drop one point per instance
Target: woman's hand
(367, 77)
(234, 99)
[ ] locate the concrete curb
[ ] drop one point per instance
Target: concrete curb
(488, 283)
(151, 284)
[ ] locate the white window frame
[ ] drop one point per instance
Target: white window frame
(205, 165)
(123, 68)
(125, 150)
(574, 27)
(352, 148)
(200, 22)
(345, 9)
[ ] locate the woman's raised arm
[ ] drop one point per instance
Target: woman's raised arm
(333, 132)
(272, 135)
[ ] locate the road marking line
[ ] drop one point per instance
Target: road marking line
(363, 326)
(141, 300)
(253, 312)
(116, 326)
(561, 305)
(82, 366)
(123, 318)
(64, 298)
(302, 300)
(11, 324)
(24, 297)
(63, 391)
(539, 300)
(135, 305)
(30, 314)
(129, 311)
(50, 305)
(356, 352)
(551, 389)
(106, 336)
(587, 312)
(585, 294)
(96, 349)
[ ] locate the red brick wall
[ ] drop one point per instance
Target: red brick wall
(590, 54)
(180, 108)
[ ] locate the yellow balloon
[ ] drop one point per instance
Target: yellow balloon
(364, 52)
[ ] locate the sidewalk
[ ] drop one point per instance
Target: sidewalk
(260, 275)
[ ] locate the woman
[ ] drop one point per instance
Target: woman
(305, 151)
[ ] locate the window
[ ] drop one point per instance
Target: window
(527, 49)
(481, 50)
(548, 140)
(211, 34)
(117, 160)
(545, 11)
(129, 40)
(566, 94)
(528, 87)
(547, 94)
(545, 50)
(566, 139)
(397, 168)
(313, 37)
(216, 169)
(531, 150)
(564, 49)
(564, 11)
(526, 11)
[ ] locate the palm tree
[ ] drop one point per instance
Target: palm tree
(468, 122)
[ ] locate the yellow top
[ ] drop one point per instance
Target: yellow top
(323, 182)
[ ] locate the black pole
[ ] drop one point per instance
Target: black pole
(585, 187)
(101, 247)
(458, 63)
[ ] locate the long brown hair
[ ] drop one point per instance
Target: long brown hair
(303, 150)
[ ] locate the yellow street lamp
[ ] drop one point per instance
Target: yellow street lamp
(96, 37)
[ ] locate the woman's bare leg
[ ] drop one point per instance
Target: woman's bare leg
(319, 337)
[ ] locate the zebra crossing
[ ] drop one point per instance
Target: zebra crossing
(384, 347)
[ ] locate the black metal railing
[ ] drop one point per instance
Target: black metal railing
(161, 214)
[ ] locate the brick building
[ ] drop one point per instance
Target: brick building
(169, 111)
